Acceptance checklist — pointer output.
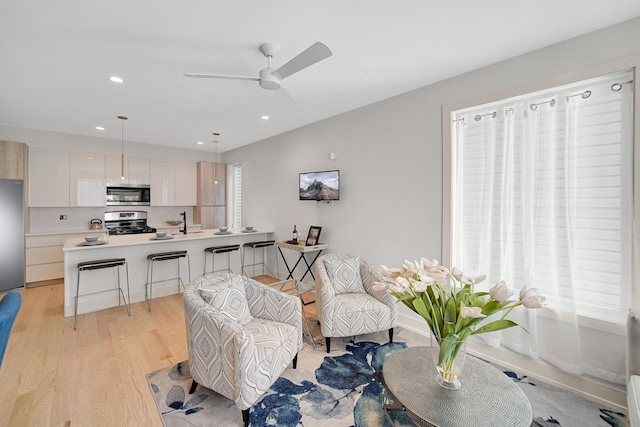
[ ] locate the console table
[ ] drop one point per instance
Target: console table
(293, 287)
(487, 398)
(302, 249)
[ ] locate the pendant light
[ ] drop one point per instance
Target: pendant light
(123, 118)
(215, 157)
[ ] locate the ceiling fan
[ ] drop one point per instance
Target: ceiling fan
(270, 78)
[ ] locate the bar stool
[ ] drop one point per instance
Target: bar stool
(213, 250)
(163, 256)
(96, 265)
(264, 244)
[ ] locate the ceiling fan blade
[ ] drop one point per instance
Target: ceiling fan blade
(221, 76)
(315, 53)
(287, 100)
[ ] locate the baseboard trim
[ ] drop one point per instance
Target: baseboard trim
(44, 283)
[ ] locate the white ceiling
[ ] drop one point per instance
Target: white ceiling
(56, 58)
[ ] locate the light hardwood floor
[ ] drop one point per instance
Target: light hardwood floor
(53, 375)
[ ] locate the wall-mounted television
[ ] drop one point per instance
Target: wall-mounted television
(320, 186)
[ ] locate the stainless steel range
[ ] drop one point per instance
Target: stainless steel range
(127, 222)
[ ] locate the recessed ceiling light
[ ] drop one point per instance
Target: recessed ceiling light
(200, 142)
(116, 79)
(265, 117)
(99, 128)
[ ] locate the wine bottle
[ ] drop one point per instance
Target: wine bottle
(295, 234)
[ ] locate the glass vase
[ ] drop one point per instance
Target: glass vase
(449, 356)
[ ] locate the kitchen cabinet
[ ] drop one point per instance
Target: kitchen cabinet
(86, 179)
(44, 258)
(210, 193)
(48, 177)
(173, 183)
(162, 178)
(212, 216)
(186, 184)
(136, 170)
(12, 160)
(210, 211)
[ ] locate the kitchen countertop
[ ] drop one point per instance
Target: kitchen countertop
(136, 248)
(101, 230)
(147, 238)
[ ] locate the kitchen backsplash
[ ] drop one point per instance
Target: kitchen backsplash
(46, 220)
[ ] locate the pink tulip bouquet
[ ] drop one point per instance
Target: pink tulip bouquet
(450, 304)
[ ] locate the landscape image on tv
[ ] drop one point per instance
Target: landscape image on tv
(320, 185)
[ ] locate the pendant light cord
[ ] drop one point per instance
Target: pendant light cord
(122, 118)
(215, 158)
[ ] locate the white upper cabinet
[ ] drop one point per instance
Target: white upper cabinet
(48, 177)
(173, 183)
(86, 179)
(186, 187)
(162, 182)
(136, 170)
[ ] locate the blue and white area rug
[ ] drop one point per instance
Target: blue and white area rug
(344, 389)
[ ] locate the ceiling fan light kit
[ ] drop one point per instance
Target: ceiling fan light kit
(270, 78)
(267, 80)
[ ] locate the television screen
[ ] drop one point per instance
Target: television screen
(320, 185)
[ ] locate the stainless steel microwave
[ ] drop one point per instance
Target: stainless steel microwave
(129, 195)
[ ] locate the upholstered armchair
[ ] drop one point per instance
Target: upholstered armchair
(346, 303)
(241, 336)
(9, 308)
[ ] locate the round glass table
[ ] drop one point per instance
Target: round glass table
(487, 398)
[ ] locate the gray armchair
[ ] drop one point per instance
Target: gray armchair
(241, 336)
(346, 303)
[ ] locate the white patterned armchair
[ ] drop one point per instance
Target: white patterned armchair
(346, 302)
(241, 336)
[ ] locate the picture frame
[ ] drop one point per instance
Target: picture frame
(314, 235)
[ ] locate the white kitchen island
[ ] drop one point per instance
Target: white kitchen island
(135, 248)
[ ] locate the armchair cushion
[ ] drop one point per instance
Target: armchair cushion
(344, 273)
(228, 298)
(354, 313)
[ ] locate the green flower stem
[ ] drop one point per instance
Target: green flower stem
(511, 309)
(447, 355)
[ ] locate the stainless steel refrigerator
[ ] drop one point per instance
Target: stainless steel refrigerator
(12, 233)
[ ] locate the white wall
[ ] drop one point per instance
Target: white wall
(390, 156)
(390, 159)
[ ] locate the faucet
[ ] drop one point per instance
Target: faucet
(184, 218)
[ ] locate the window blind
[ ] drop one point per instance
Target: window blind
(237, 196)
(542, 194)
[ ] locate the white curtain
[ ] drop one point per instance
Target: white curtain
(542, 197)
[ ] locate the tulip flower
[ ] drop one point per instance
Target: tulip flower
(402, 284)
(457, 273)
(420, 286)
(389, 272)
(531, 298)
(428, 263)
(500, 292)
(479, 279)
(473, 312)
